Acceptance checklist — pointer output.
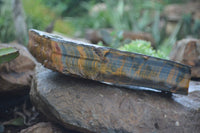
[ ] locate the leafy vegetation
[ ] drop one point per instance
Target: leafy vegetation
(116, 40)
(69, 7)
(113, 39)
(6, 22)
(143, 47)
(39, 17)
(119, 15)
(8, 54)
(64, 27)
(74, 17)
(189, 27)
(137, 16)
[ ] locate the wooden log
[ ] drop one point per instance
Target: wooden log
(108, 65)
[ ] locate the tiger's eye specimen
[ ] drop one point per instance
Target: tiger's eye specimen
(108, 65)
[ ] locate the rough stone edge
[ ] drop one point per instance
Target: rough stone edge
(41, 99)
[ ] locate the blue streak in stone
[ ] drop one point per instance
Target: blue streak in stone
(63, 51)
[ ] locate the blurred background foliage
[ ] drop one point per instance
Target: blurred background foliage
(73, 17)
(39, 16)
(6, 22)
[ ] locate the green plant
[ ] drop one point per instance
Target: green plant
(114, 39)
(136, 16)
(123, 15)
(64, 27)
(6, 22)
(171, 40)
(142, 47)
(38, 15)
(189, 27)
(68, 7)
(196, 28)
(8, 54)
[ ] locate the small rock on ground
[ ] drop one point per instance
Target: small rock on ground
(16, 75)
(42, 127)
(187, 51)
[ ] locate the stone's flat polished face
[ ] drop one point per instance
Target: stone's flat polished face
(108, 65)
